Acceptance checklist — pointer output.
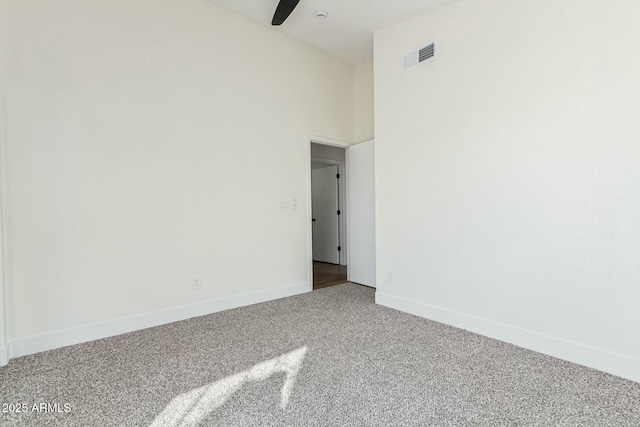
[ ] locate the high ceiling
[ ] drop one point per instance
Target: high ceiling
(348, 31)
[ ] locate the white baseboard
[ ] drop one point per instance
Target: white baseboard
(602, 360)
(4, 356)
(63, 338)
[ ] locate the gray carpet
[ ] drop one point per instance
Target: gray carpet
(328, 358)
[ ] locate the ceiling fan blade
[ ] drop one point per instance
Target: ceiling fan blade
(284, 9)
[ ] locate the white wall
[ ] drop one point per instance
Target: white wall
(363, 102)
(507, 178)
(140, 143)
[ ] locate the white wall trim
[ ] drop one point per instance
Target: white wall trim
(603, 360)
(325, 141)
(4, 356)
(66, 337)
(4, 306)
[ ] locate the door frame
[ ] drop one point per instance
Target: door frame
(345, 220)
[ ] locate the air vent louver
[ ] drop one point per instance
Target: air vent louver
(420, 55)
(427, 52)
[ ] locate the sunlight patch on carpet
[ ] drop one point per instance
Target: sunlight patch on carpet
(190, 408)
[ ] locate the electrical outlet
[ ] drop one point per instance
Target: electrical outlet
(195, 284)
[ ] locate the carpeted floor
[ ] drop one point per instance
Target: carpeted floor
(327, 358)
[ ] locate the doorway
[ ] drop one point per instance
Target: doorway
(328, 211)
(355, 213)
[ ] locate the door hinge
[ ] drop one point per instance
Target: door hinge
(338, 212)
(339, 248)
(338, 176)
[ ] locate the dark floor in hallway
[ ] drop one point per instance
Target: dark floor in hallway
(325, 275)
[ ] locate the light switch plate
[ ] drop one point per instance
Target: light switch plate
(284, 205)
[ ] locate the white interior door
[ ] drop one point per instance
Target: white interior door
(324, 205)
(361, 191)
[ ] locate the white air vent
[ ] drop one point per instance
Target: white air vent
(423, 54)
